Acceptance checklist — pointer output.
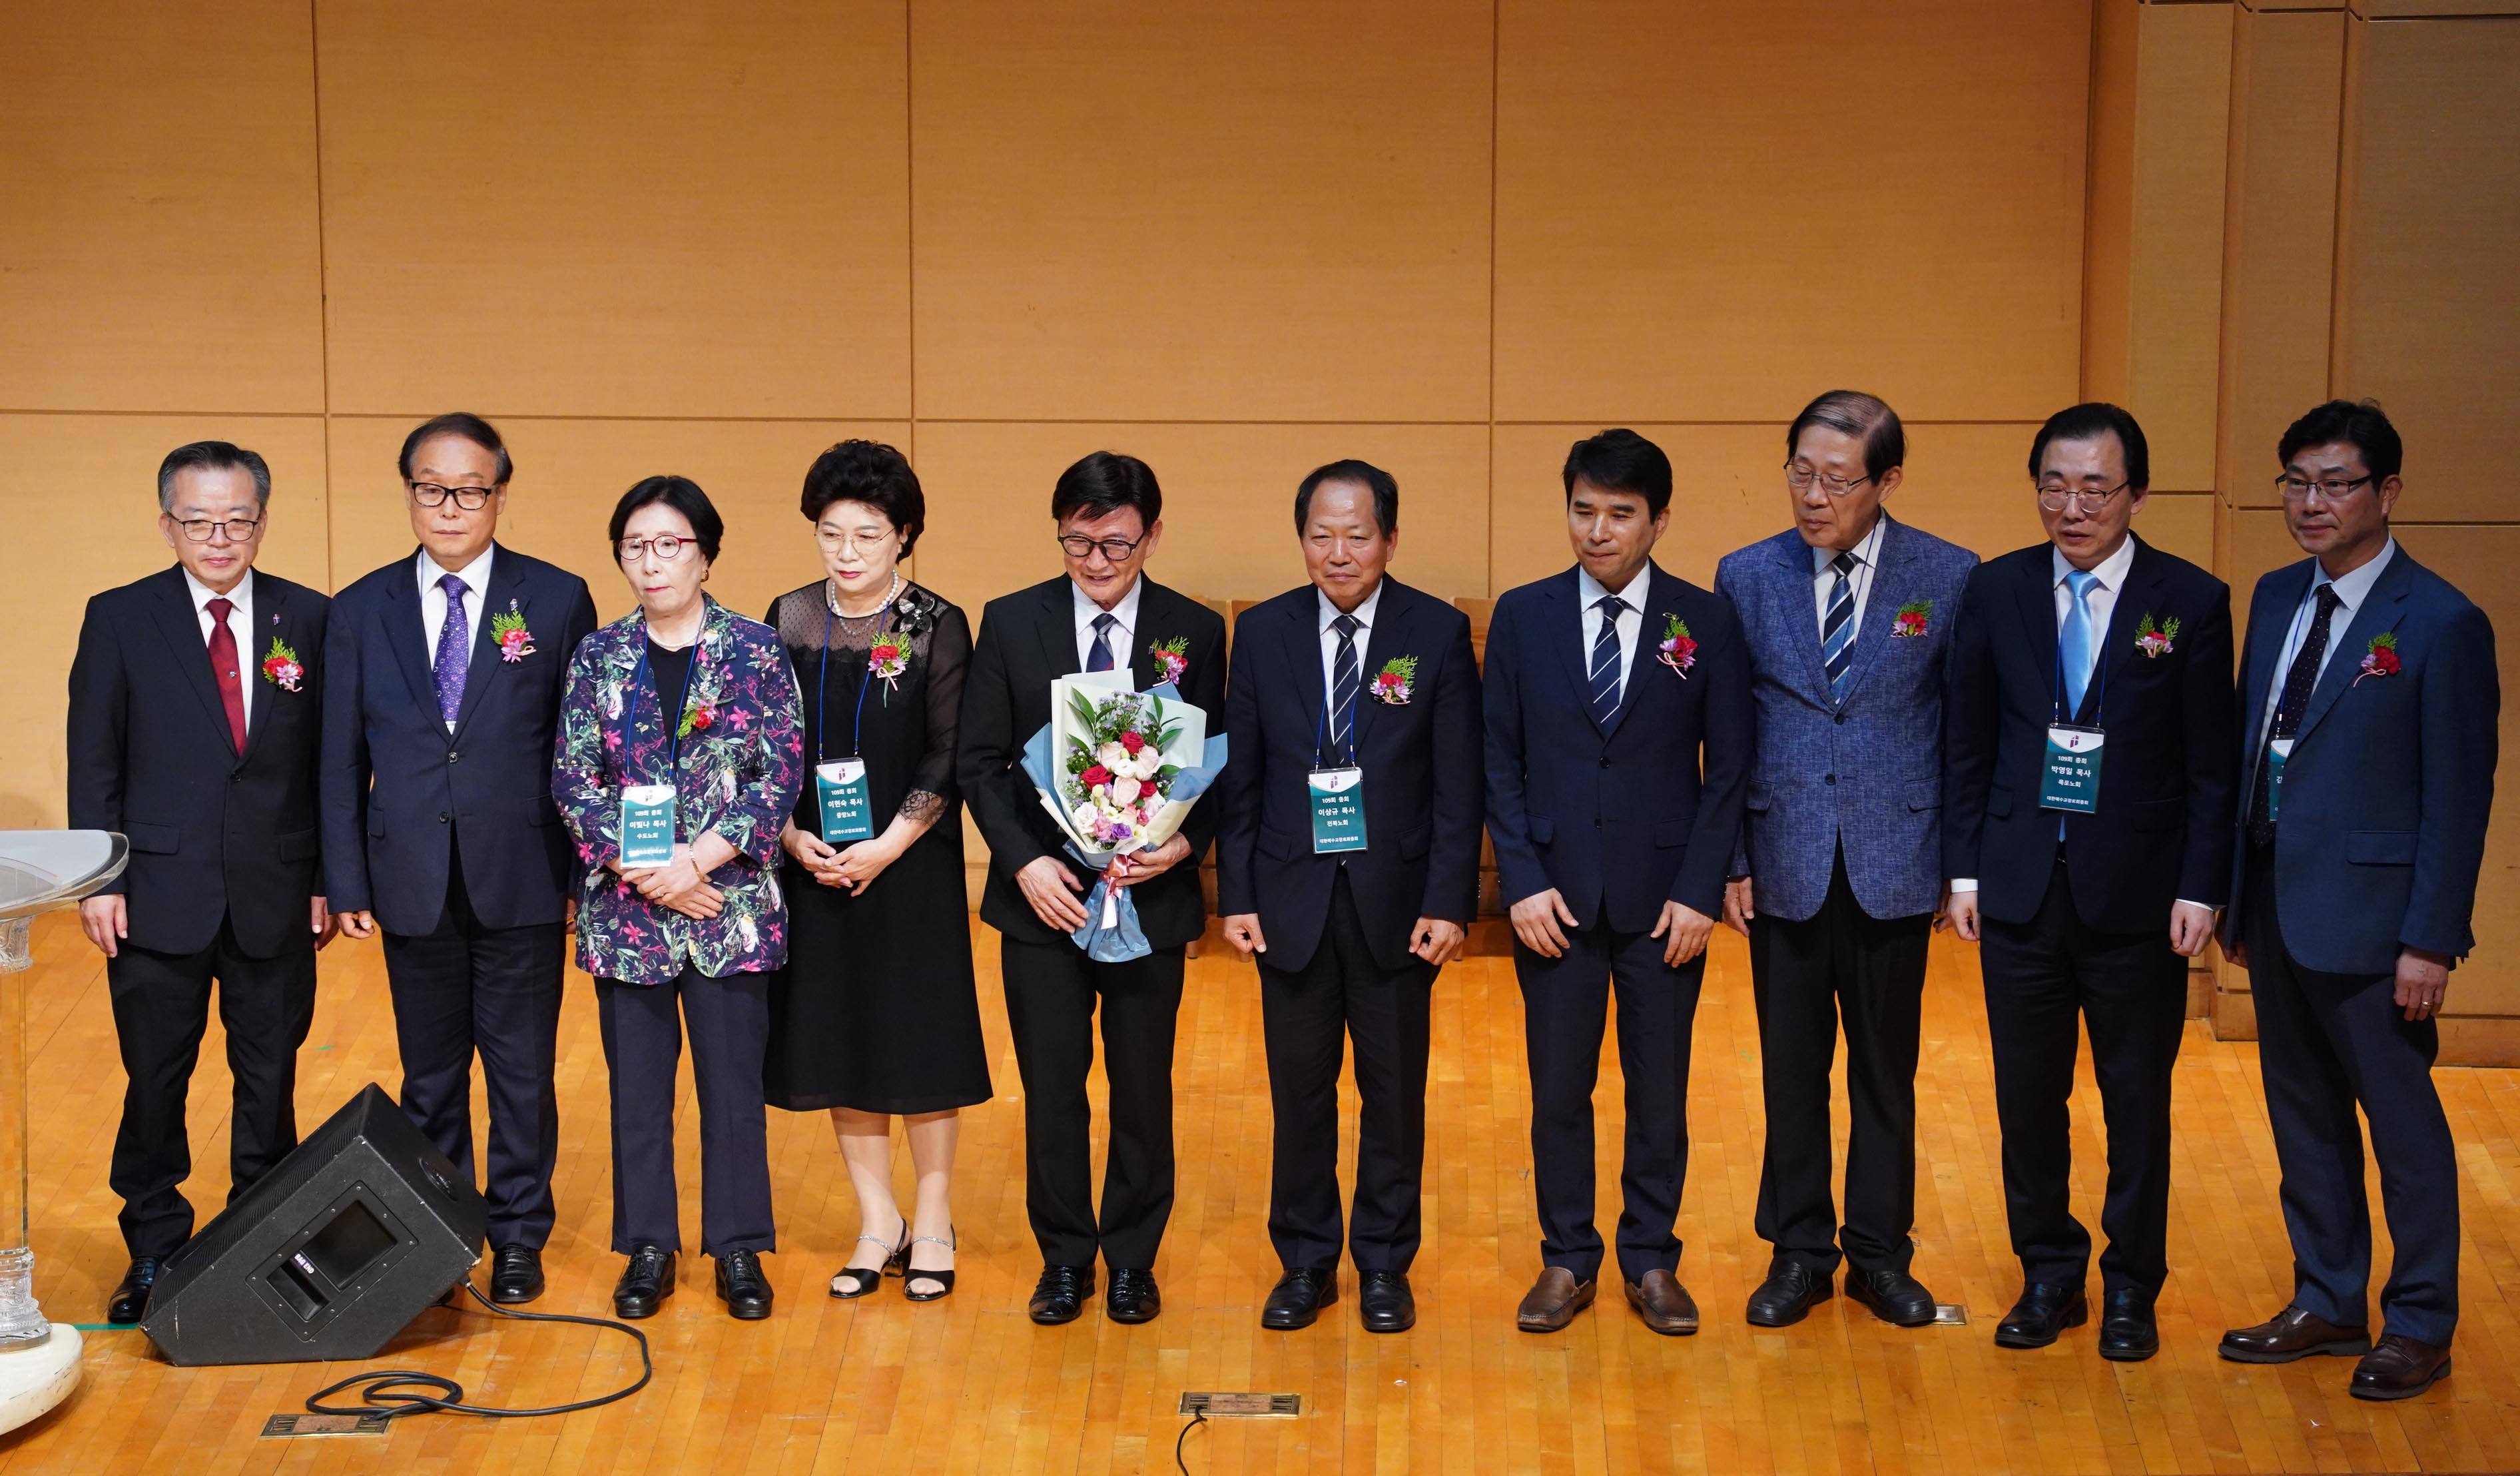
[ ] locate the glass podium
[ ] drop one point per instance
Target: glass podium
(39, 870)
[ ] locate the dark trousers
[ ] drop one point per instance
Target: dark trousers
(1051, 990)
(1564, 1002)
(161, 1007)
(1804, 976)
(643, 1046)
(2327, 1043)
(1307, 1016)
(462, 987)
(2129, 991)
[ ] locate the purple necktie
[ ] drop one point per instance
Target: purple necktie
(454, 649)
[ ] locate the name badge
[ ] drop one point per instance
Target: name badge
(841, 786)
(1339, 809)
(646, 824)
(2071, 778)
(2278, 750)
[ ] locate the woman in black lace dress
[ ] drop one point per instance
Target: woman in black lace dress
(875, 1015)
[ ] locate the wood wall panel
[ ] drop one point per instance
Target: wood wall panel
(1234, 214)
(158, 229)
(1706, 208)
(654, 209)
(569, 473)
(97, 475)
(2175, 258)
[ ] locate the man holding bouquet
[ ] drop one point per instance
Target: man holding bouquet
(1347, 860)
(1101, 615)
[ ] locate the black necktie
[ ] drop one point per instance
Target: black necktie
(1099, 656)
(1604, 675)
(1343, 677)
(2299, 681)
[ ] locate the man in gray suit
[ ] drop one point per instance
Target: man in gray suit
(1848, 618)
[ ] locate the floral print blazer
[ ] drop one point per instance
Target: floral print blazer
(742, 761)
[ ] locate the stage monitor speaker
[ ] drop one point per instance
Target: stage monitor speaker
(329, 1255)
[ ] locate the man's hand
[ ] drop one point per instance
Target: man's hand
(1128, 871)
(319, 918)
(1050, 887)
(2423, 982)
(1536, 920)
(358, 924)
(106, 921)
(1685, 931)
(2237, 951)
(2191, 928)
(1437, 940)
(1737, 910)
(1959, 915)
(1243, 931)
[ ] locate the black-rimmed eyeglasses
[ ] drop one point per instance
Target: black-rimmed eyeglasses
(203, 529)
(2333, 489)
(1078, 545)
(470, 498)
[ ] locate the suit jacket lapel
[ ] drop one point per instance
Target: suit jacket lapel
(259, 692)
(2383, 609)
(2263, 653)
(1880, 606)
(1794, 579)
(1574, 654)
(1387, 639)
(506, 587)
(181, 624)
(407, 632)
(2036, 597)
(1058, 628)
(2117, 647)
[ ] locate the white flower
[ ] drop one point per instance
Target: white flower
(1084, 816)
(1124, 791)
(1148, 761)
(1114, 757)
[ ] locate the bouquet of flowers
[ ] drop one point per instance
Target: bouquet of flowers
(1119, 771)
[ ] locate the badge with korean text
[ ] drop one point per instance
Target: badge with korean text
(1339, 809)
(2070, 779)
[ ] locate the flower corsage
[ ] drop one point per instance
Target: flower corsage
(508, 630)
(2154, 641)
(1172, 659)
(1678, 649)
(2379, 658)
(1392, 683)
(1914, 618)
(280, 665)
(889, 659)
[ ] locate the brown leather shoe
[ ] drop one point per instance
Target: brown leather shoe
(2293, 1334)
(1553, 1301)
(2400, 1368)
(1664, 1304)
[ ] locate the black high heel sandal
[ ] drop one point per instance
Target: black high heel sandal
(944, 1280)
(855, 1281)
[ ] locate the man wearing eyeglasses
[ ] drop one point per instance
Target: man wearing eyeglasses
(1840, 878)
(442, 701)
(2087, 806)
(193, 711)
(1103, 614)
(2369, 700)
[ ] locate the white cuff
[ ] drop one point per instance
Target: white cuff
(1960, 885)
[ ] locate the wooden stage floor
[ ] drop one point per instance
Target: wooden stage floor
(969, 1384)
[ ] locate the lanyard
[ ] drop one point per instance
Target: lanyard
(2099, 669)
(866, 677)
(1320, 727)
(642, 679)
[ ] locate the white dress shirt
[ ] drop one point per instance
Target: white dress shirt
(432, 600)
(1363, 616)
(1632, 621)
(1867, 564)
(239, 625)
(2351, 592)
(1124, 613)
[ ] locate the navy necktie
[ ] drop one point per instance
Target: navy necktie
(1604, 676)
(1343, 679)
(1838, 627)
(1098, 658)
(2298, 684)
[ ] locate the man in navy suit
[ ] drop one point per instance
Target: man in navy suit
(2369, 702)
(1848, 618)
(1347, 859)
(195, 705)
(1618, 744)
(2098, 882)
(440, 704)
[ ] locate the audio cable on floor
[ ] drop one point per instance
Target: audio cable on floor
(391, 1392)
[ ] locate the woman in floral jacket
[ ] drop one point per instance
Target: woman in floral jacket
(703, 927)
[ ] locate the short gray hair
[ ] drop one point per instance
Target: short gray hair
(212, 456)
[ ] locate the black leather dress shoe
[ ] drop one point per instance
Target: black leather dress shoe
(1791, 1290)
(1893, 1296)
(2399, 1368)
(515, 1273)
(1132, 1297)
(1298, 1298)
(1384, 1303)
(647, 1281)
(2127, 1332)
(130, 1300)
(1059, 1296)
(2044, 1313)
(2296, 1332)
(743, 1286)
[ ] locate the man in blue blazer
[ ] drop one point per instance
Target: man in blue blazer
(2369, 700)
(1848, 618)
(441, 698)
(2092, 887)
(1618, 742)
(1347, 860)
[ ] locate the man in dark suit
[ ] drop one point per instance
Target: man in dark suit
(2368, 699)
(192, 720)
(1618, 749)
(2094, 888)
(442, 699)
(1838, 881)
(1101, 615)
(1348, 860)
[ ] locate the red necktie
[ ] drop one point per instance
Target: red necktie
(223, 665)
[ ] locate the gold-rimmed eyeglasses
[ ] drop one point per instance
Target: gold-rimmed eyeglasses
(203, 529)
(2053, 496)
(1800, 477)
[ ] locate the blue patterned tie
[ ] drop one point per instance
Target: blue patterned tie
(454, 649)
(1343, 679)
(2074, 644)
(1604, 676)
(1098, 658)
(1838, 627)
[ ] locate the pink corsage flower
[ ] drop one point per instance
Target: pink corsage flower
(508, 629)
(280, 666)
(1393, 684)
(1172, 659)
(1678, 649)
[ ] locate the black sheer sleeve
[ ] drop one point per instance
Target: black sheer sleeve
(949, 660)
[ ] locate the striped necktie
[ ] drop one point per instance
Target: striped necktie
(1604, 676)
(1098, 656)
(1838, 627)
(1343, 679)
